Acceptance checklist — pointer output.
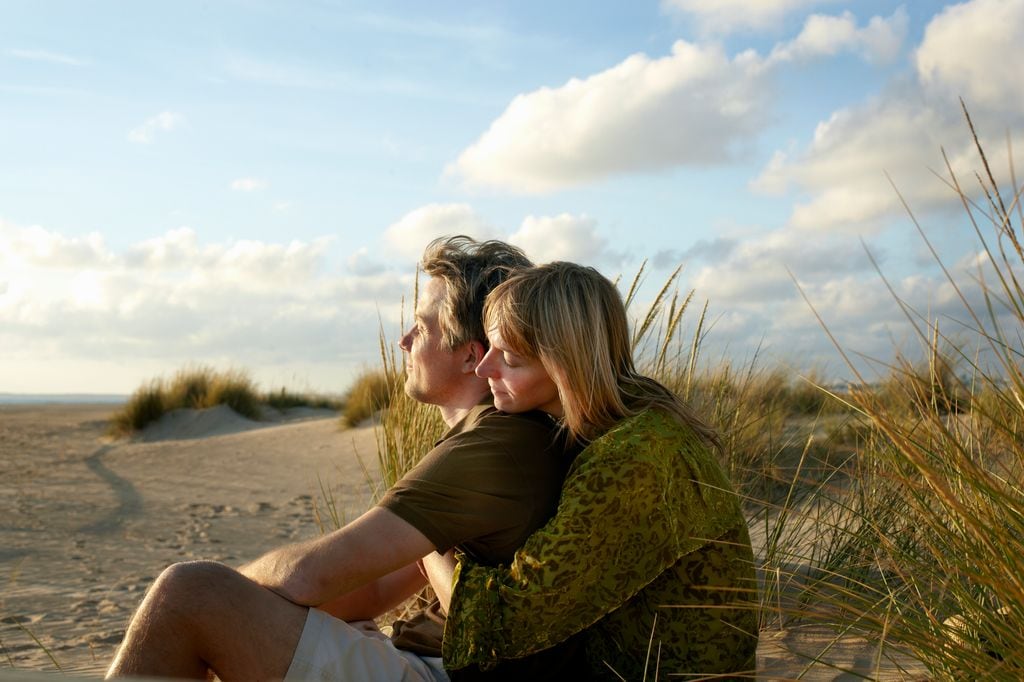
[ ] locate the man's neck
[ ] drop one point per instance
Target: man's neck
(453, 412)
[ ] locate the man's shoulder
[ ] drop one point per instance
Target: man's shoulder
(495, 426)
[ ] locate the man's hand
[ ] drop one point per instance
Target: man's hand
(317, 571)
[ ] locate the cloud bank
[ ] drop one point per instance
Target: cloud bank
(696, 107)
(174, 299)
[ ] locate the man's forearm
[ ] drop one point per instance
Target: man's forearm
(280, 571)
(317, 571)
(377, 597)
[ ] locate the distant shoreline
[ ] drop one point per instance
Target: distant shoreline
(61, 398)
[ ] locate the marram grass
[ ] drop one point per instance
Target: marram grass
(891, 509)
(199, 387)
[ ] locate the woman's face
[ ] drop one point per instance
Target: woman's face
(518, 383)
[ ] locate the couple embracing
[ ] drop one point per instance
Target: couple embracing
(574, 521)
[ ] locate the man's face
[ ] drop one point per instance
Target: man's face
(431, 371)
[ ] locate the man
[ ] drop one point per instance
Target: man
(490, 481)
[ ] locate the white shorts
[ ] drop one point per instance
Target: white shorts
(331, 650)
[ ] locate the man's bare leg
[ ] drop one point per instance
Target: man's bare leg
(203, 616)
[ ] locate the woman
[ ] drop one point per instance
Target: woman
(648, 558)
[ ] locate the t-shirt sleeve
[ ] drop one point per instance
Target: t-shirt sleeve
(628, 512)
(472, 485)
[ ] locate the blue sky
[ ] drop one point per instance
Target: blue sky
(248, 184)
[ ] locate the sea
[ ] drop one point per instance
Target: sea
(61, 398)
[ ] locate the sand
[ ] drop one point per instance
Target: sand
(86, 524)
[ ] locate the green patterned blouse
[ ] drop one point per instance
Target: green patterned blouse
(648, 554)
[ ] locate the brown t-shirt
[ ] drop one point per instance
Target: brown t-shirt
(490, 481)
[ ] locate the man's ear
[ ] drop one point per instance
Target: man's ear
(475, 352)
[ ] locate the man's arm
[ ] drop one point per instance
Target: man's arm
(317, 571)
(377, 597)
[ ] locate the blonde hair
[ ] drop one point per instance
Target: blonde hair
(573, 320)
(468, 270)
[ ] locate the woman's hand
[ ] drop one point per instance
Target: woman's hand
(439, 570)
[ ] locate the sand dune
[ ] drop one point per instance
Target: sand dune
(87, 523)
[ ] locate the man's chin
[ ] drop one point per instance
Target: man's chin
(414, 392)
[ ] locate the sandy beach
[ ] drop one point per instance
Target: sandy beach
(86, 524)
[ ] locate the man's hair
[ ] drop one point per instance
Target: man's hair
(573, 319)
(469, 270)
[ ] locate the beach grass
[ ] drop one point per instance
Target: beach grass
(889, 507)
(371, 392)
(200, 386)
(922, 547)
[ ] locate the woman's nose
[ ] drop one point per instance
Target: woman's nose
(484, 369)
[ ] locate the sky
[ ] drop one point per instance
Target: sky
(249, 184)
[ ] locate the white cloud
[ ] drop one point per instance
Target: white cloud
(412, 232)
(176, 299)
(362, 262)
(974, 49)
(715, 250)
(844, 167)
(543, 238)
(249, 184)
(163, 122)
(726, 16)
(695, 106)
(754, 301)
(879, 41)
(903, 130)
(563, 237)
(44, 248)
(44, 56)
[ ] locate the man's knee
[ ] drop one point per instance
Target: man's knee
(202, 583)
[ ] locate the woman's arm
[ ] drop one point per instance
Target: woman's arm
(629, 509)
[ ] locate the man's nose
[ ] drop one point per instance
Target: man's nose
(404, 343)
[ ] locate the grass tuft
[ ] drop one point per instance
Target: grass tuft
(200, 387)
(371, 392)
